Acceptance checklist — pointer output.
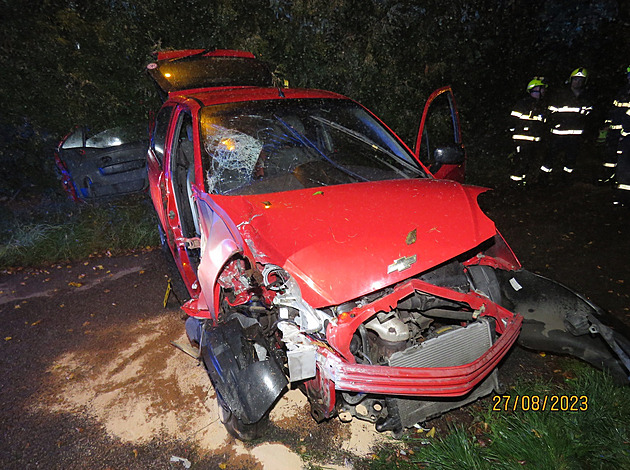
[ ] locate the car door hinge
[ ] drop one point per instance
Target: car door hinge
(189, 243)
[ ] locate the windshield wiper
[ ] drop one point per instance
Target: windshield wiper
(361, 138)
(306, 142)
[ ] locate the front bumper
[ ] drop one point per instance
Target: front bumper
(426, 381)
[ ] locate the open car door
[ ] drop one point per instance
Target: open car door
(439, 143)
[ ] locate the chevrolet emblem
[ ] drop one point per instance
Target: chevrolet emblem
(401, 264)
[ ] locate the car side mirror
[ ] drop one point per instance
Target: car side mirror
(448, 155)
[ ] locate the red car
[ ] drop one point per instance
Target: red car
(318, 249)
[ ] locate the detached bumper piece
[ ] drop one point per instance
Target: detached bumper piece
(241, 368)
(558, 320)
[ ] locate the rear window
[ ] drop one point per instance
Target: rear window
(199, 71)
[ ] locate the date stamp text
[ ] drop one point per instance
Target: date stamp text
(539, 403)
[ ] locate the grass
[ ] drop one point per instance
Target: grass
(50, 229)
(593, 439)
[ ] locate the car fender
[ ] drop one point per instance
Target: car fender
(220, 241)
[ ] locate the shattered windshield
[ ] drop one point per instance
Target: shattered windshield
(280, 145)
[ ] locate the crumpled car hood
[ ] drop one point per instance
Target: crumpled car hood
(342, 242)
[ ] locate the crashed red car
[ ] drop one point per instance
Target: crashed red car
(318, 249)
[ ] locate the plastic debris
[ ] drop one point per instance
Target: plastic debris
(185, 462)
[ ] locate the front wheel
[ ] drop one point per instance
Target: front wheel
(236, 427)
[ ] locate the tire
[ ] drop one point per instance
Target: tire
(236, 427)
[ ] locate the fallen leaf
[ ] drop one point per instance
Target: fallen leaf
(75, 284)
(8, 338)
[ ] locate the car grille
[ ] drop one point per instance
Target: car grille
(452, 348)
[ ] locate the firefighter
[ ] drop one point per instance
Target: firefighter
(528, 128)
(620, 105)
(622, 185)
(568, 118)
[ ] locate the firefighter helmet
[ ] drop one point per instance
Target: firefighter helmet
(536, 81)
(579, 72)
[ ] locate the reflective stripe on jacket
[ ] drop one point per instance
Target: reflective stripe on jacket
(569, 114)
(621, 104)
(528, 120)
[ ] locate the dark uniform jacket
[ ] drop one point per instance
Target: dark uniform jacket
(528, 120)
(623, 154)
(621, 104)
(569, 114)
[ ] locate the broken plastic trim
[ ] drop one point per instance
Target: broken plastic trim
(561, 321)
(248, 383)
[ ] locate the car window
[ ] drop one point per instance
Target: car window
(440, 129)
(116, 136)
(279, 145)
(200, 71)
(75, 139)
(158, 138)
(183, 173)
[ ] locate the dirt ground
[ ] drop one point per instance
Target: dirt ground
(90, 380)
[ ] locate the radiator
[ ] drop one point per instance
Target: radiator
(452, 348)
